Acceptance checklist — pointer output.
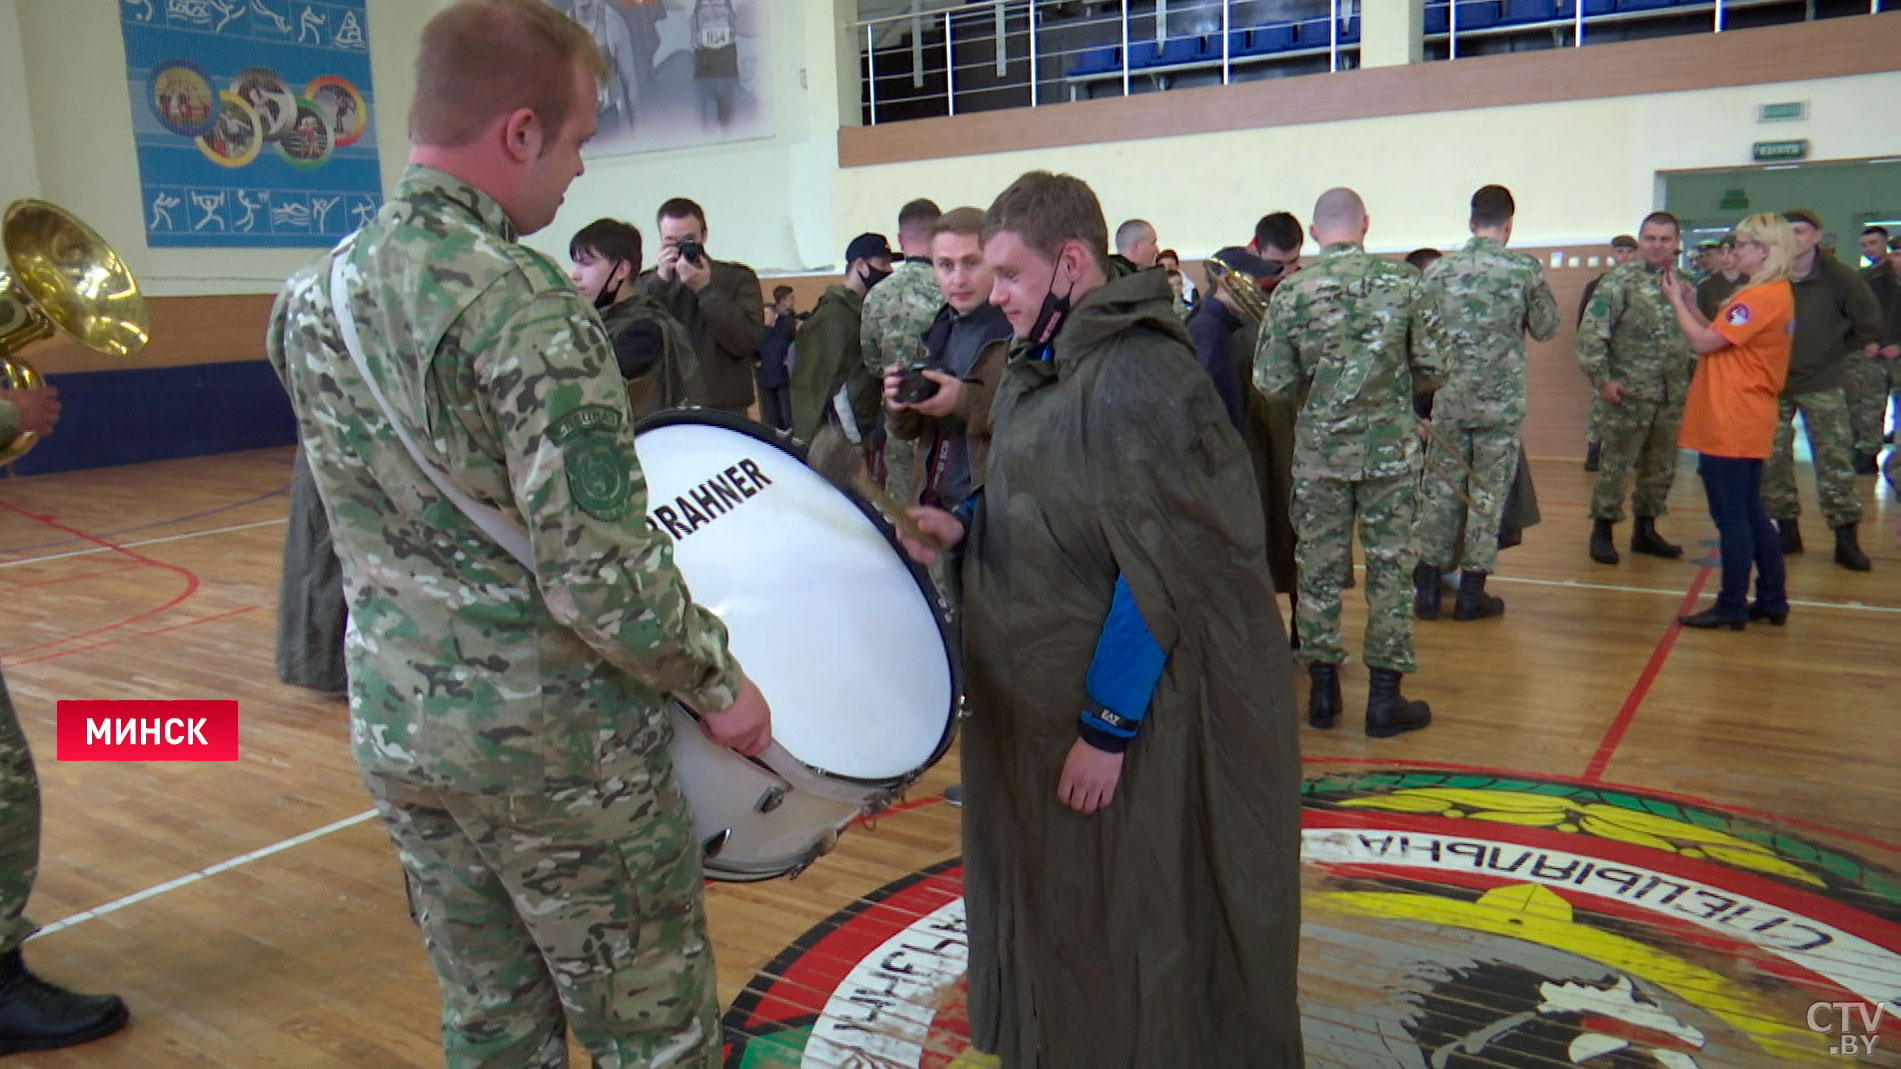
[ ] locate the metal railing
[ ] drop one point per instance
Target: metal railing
(944, 58)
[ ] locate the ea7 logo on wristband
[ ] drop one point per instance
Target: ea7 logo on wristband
(148, 731)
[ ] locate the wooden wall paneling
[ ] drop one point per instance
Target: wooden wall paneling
(221, 329)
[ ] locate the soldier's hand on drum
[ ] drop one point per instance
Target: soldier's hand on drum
(39, 408)
(745, 726)
(944, 529)
(1089, 778)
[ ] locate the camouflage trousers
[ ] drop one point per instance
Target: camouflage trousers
(1639, 441)
(19, 827)
(1491, 452)
(1831, 444)
(580, 906)
(1870, 384)
(1324, 514)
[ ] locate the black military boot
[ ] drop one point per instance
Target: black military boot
(1865, 464)
(1791, 536)
(1848, 552)
(1323, 702)
(1426, 591)
(1474, 603)
(1603, 546)
(1645, 539)
(1388, 712)
(35, 1015)
(1591, 455)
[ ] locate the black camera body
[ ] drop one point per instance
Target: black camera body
(692, 252)
(913, 387)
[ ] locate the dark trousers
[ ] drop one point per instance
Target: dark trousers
(775, 406)
(1734, 488)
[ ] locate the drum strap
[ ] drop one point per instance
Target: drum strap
(491, 520)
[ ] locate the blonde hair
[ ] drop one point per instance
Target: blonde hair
(481, 59)
(1772, 232)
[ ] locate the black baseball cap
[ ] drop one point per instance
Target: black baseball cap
(866, 247)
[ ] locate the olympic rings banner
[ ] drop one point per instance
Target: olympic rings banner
(253, 120)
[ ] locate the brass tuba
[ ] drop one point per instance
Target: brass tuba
(59, 274)
(1245, 289)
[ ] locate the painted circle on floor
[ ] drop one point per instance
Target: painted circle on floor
(1453, 920)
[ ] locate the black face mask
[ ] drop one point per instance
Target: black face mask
(605, 299)
(1050, 319)
(873, 276)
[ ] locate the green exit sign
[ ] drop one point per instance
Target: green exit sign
(1777, 151)
(1790, 111)
(1734, 200)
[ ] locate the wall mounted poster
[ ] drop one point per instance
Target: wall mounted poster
(681, 72)
(252, 119)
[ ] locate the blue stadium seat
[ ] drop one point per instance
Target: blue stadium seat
(1261, 40)
(1520, 12)
(1098, 61)
(1473, 15)
(1638, 5)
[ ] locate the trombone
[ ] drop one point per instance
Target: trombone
(59, 275)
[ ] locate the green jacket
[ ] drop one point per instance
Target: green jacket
(726, 320)
(656, 356)
(469, 672)
(1488, 298)
(829, 354)
(1115, 457)
(1629, 335)
(1836, 314)
(1355, 336)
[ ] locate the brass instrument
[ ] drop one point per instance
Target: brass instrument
(1245, 290)
(59, 274)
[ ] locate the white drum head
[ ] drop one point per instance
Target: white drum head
(824, 614)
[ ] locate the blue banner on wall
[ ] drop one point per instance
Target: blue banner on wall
(253, 120)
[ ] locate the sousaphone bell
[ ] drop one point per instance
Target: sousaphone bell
(60, 276)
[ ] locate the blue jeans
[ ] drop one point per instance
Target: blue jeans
(1734, 488)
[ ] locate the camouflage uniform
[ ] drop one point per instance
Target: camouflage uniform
(19, 817)
(1873, 381)
(1487, 298)
(1341, 329)
(511, 727)
(1629, 334)
(19, 793)
(897, 312)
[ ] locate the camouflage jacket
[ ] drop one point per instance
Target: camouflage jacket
(1350, 330)
(1629, 334)
(1487, 298)
(898, 311)
(466, 671)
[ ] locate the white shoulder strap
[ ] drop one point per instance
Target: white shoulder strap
(492, 521)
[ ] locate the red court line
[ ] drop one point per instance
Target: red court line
(135, 635)
(1615, 736)
(191, 577)
(74, 578)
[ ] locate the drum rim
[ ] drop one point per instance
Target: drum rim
(766, 435)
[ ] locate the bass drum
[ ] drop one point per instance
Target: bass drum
(839, 630)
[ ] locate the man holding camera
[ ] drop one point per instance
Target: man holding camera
(718, 303)
(830, 356)
(896, 317)
(943, 400)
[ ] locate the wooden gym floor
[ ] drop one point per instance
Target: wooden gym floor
(1618, 841)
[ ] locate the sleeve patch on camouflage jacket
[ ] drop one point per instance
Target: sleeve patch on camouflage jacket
(595, 459)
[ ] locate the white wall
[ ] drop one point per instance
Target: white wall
(1581, 171)
(768, 202)
(76, 106)
(19, 166)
